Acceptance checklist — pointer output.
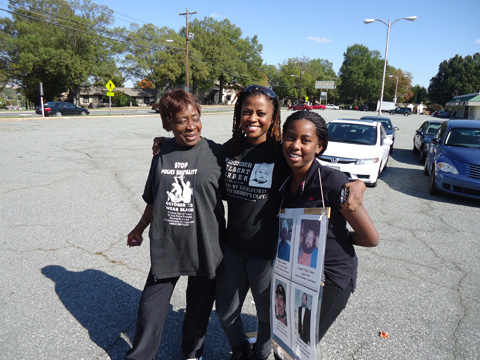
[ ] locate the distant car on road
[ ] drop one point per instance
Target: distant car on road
(359, 149)
(60, 108)
(363, 108)
(387, 124)
(300, 107)
(319, 106)
(423, 135)
(155, 107)
(453, 159)
(401, 110)
(332, 107)
(443, 114)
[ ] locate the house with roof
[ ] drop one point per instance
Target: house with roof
(95, 96)
(465, 106)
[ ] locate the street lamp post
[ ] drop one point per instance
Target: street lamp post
(396, 87)
(389, 24)
(300, 91)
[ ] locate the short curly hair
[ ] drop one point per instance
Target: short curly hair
(173, 102)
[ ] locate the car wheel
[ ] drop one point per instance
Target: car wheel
(58, 113)
(431, 188)
(423, 154)
(414, 148)
(84, 113)
(406, 114)
(391, 149)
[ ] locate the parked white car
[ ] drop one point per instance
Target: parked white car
(332, 107)
(360, 149)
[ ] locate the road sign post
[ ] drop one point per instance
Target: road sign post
(110, 86)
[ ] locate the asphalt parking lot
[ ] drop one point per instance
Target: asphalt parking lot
(71, 191)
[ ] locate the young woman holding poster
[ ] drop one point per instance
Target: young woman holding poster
(305, 137)
(254, 170)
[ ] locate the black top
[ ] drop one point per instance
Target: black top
(188, 221)
(340, 258)
(251, 181)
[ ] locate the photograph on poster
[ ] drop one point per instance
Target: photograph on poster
(308, 249)
(282, 321)
(309, 252)
(284, 239)
(305, 307)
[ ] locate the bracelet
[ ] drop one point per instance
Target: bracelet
(144, 221)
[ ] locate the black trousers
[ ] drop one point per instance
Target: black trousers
(153, 309)
(334, 300)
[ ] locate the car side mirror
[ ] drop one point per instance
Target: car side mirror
(419, 132)
(396, 128)
(387, 141)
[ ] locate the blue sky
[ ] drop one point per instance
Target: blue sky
(320, 30)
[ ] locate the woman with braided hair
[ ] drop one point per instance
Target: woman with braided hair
(252, 227)
(254, 169)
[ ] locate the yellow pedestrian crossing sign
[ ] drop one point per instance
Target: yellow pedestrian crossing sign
(110, 86)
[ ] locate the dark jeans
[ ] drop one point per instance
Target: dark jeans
(235, 277)
(153, 310)
(334, 300)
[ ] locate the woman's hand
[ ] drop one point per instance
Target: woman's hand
(134, 238)
(156, 144)
(355, 195)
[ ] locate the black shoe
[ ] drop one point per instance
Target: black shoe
(243, 352)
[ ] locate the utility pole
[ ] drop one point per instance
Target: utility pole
(186, 43)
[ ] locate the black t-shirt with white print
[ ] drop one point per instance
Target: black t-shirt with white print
(251, 182)
(188, 221)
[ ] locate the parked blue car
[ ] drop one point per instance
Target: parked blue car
(453, 159)
(423, 135)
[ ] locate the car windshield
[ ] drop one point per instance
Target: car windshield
(432, 129)
(385, 124)
(463, 137)
(352, 133)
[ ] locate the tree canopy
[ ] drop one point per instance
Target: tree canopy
(458, 75)
(58, 43)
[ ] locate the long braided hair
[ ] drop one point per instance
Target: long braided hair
(274, 133)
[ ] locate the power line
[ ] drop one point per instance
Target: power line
(126, 40)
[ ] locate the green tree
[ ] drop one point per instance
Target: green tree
(360, 75)
(287, 78)
(59, 43)
(152, 58)
(228, 59)
(420, 94)
(458, 75)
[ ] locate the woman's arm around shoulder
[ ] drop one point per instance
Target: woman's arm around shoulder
(364, 232)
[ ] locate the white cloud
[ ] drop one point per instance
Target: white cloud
(215, 15)
(477, 41)
(319, 39)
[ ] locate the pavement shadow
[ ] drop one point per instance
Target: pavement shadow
(102, 304)
(107, 307)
